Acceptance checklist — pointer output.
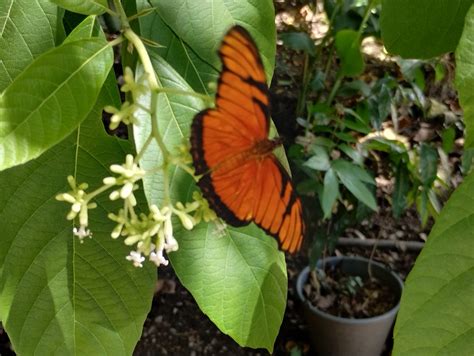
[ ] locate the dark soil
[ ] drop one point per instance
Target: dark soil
(348, 296)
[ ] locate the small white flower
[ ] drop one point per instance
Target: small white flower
(126, 190)
(80, 204)
(157, 214)
(114, 195)
(158, 259)
(129, 173)
(136, 258)
(109, 181)
(81, 233)
(186, 220)
(171, 244)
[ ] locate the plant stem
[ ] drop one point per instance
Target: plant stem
(302, 97)
(121, 14)
(329, 61)
(144, 57)
(155, 87)
(98, 191)
(368, 9)
(335, 88)
(144, 148)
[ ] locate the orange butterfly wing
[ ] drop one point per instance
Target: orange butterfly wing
(241, 184)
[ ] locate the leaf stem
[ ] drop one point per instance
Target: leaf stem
(144, 148)
(98, 191)
(335, 88)
(368, 9)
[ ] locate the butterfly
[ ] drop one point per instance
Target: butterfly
(242, 179)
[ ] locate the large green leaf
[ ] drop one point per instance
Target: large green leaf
(58, 296)
(49, 99)
(437, 307)
(86, 7)
(196, 71)
(201, 25)
(465, 76)
(422, 28)
(27, 29)
(238, 280)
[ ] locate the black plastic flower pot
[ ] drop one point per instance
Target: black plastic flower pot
(338, 336)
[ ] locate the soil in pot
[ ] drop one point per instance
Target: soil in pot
(340, 294)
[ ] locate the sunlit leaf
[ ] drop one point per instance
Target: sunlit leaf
(27, 29)
(48, 100)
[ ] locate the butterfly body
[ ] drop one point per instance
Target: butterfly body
(242, 179)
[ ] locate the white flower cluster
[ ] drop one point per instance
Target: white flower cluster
(129, 174)
(150, 233)
(80, 206)
(126, 113)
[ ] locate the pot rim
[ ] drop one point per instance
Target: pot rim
(303, 276)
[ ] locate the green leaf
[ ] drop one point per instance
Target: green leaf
(320, 159)
(440, 72)
(220, 272)
(330, 192)
(27, 29)
(353, 153)
(202, 24)
(400, 190)
(380, 106)
(299, 41)
(353, 178)
(48, 100)
(59, 296)
(467, 160)
(422, 28)
(360, 124)
(465, 76)
(347, 44)
(85, 7)
(385, 145)
(448, 136)
(437, 307)
(428, 164)
(344, 136)
(358, 172)
(196, 71)
(408, 67)
(86, 29)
